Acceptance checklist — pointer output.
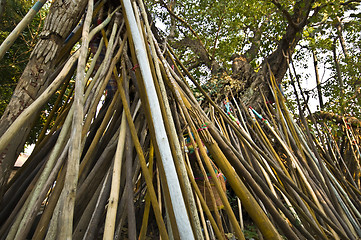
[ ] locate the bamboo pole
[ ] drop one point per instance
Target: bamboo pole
(250, 204)
(9, 41)
(114, 193)
(145, 170)
(129, 189)
(143, 230)
(90, 232)
(173, 135)
(181, 215)
(72, 170)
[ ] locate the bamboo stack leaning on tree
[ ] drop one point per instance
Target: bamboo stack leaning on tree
(129, 152)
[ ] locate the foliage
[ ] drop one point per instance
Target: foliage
(204, 31)
(15, 60)
(224, 28)
(322, 37)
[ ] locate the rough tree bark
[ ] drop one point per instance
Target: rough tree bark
(62, 18)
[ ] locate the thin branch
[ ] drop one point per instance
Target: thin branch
(185, 24)
(354, 122)
(287, 15)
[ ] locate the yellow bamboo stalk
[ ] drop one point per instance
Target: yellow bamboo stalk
(207, 182)
(249, 202)
(98, 135)
(204, 204)
(147, 177)
(170, 127)
(183, 103)
(199, 205)
(96, 99)
(143, 230)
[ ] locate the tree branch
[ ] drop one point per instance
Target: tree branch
(256, 42)
(182, 21)
(354, 122)
(286, 14)
(197, 45)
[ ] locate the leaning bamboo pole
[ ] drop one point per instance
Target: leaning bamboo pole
(9, 41)
(162, 141)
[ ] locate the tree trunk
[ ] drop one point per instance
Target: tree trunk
(277, 62)
(44, 60)
(256, 82)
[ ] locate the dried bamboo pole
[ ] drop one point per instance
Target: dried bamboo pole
(170, 122)
(115, 187)
(45, 219)
(249, 174)
(85, 190)
(334, 195)
(181, 100)
(72, 170)
(208, 185)
(204, 204)
(16, 187)
(256, 147)
(129, 188)
(183, 223)
(95, 142)
(145, 171)
(52, 112)
(205, 177)
(105, 73)
(90, 232)
(265, 225)
(143, 230)
(18, 209)
(186, 161)
(24, 219)
(85, 218)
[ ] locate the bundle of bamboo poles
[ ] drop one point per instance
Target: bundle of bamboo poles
(114, 164)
